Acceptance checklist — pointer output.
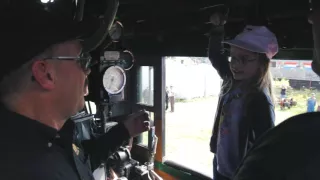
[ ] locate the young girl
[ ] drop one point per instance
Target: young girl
(245, 110)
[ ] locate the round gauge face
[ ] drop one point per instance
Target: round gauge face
(114, 80)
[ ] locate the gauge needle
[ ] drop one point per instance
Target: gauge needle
(114, 87)
(111, 82)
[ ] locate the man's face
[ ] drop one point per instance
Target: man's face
(314, 19)
(70, 79)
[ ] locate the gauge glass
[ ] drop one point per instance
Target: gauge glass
(114, 79)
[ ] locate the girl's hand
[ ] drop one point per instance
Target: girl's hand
(218, 19)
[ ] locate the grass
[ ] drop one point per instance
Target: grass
(188, 129)
(191, 100)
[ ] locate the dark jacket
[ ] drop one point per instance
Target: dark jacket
(31, 150)
(259, 110)
(290, 151)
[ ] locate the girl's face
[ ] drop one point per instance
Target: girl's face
(244, 64)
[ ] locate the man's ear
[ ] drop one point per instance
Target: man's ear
(42, 72)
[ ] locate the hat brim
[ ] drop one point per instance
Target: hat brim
(244, 45)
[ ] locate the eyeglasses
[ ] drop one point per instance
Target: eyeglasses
(84, 60)
(242, 61)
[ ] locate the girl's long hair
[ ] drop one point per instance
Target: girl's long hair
(261, 82)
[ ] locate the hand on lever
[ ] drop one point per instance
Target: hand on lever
(137, 123)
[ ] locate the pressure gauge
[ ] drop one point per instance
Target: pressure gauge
(116, 31)
(128, 60)
(114, 80)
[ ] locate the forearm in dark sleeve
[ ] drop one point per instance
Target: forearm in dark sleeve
(105, 145)
(253, 168)
(216, 52)
(265, 160)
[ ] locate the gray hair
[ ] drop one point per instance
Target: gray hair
(20, 80)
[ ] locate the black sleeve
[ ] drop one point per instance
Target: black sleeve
(216, 52)
(288, 151)
(263, 160)
(256, 166)
(262, 115)
(104, 146)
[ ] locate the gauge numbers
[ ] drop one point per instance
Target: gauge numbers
(114, 80)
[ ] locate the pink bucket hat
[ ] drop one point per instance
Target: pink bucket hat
(256, 39)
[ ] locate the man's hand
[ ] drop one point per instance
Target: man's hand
(137, 123)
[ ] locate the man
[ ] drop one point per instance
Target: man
(283, 92)
(171, 95)
(167, 97)
(146, 95)
(42, 84)
(291, 150)
(311, 103)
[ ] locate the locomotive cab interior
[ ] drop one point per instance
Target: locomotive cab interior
(132, 39)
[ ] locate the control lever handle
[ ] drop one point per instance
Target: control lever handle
(152, 144)
(154, 175)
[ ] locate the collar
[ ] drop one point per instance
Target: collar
(67, 130)
(24, 125)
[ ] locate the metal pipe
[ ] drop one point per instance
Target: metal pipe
(99, 36)
(80, 9)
